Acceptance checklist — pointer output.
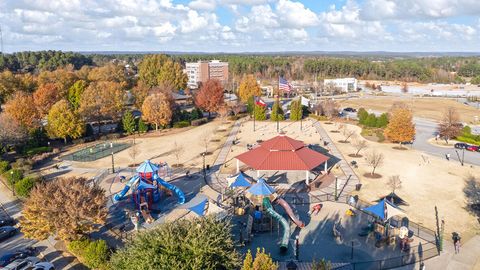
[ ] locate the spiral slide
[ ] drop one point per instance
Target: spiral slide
(175, 189)
(290, 213)
(286, 228)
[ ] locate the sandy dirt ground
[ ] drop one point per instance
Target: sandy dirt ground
(431, 108)
(266, 130)
(162, 148)
(427, 181)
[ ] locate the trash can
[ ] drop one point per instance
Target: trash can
(358, 187)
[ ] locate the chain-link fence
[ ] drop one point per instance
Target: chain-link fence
(97, 151)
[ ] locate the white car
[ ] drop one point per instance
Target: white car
(29, 263)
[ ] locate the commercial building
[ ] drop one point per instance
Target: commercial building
(343, 84)
(201, 71)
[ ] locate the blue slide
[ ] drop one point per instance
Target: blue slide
(175, 189)
(119, 196)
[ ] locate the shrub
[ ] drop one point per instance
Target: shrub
(371, 120)
(199, 122)
(114, 136)
(4, 166)
(362, 115)
(13, 176)
(93, 254)
(38, 150)
(24, 186)
(22, 164)
(142, 126)
(181, 124)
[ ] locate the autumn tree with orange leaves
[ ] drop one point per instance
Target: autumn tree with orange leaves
(45, 96)
(401, 127)
(157, 109)
(102, 100)
(210, 96)
(21, 109)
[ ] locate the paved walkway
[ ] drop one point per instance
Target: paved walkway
(215, 181)
(347, 170)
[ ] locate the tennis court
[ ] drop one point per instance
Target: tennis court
(97, 151)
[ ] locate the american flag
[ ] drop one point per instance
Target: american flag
(284, 85)
(260, 102)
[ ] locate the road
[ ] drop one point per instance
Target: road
(427, 129)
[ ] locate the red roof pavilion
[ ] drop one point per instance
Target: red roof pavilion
(282, 153)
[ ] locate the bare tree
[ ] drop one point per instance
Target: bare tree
(205, 139)
(330, 108)
(450, 126)
(11, 132)
(341, 126)
(133, 152)
(374, 160)
(347, 133)
(178, 152)
(359, 145)
(238, 108)
(394, 182)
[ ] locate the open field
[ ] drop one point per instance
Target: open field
(431, 108)
(191, 143)
(427, 181)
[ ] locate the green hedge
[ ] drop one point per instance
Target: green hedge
(4, 166)
(24, 186)
(38, 150)
(13, 176)
(468, 137)
(93, 254)
(181, 124)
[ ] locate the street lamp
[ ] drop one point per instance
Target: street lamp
(113, 164)
(13, 182)
(297, 247)
(204, 169)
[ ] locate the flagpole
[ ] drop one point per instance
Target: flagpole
(254, 104)
(278, 101)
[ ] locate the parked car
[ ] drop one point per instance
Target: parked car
(6, 221)
(473, 148)
(7, 232)
(461, 145)
(349, 109)
(30, 263)
(16, 255)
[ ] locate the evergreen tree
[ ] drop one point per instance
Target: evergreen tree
(362, 115)
(382, 120)
(128, 122)
(277, 112)
(250, 103)
(371, 120)
(142, 126)
(296, 110)
(260, 112)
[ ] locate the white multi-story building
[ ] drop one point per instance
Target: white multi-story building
(201, 71)
(344, 84)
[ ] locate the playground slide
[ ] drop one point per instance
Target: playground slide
(290, 213)
(119, 196)
(281, 220)
(175, 189)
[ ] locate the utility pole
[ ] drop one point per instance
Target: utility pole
(1, 40)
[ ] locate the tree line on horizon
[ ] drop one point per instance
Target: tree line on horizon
(445, 69)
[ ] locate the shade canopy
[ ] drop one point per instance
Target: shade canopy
(282, 153)
(147, 167)
(261, 188)
(239, 181)
(393, 198)
(199, 208)
(384, 210)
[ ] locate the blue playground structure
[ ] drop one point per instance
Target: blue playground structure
(146, 186)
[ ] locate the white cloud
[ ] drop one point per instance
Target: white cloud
(203, 4)
(295, 14)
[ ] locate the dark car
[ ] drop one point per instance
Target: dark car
(7, 232)
(7, 258)
(461, 145)
(6, 221)
(350, 109)
(473, 148)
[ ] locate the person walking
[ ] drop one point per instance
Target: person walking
(447, 156)
(456, 242)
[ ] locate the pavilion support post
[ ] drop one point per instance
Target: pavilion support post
(238, 166)
(307, 177)
(326, 166)
(258, 173)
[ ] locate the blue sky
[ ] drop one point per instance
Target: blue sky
(241, 25)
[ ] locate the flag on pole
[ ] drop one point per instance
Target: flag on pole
(284, 85)
(260, 102)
